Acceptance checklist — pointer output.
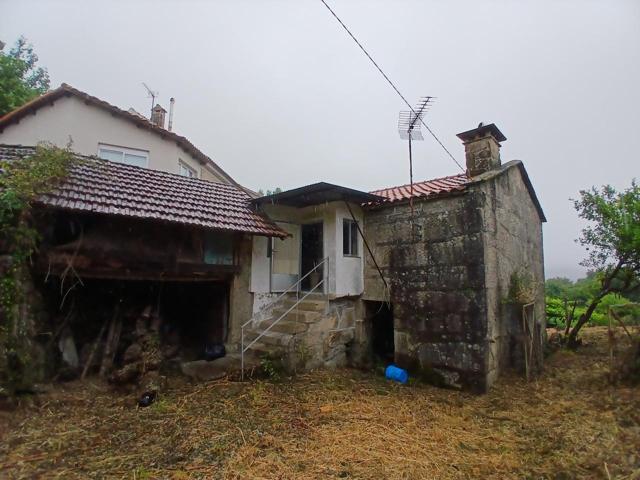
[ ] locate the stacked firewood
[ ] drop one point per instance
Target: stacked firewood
(132, 352)
(141, 360)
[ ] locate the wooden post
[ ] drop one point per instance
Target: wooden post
(93, 350)
(113, 337)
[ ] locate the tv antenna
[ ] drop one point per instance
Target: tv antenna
(409, 123)
(151, 94)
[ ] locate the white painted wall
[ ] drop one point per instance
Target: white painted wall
(349, 273)
(346, 274)
(88, 125)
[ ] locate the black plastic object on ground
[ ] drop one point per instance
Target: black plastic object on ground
(213, 351)
(146, 399)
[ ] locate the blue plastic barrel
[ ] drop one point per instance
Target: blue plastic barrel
(396, 373)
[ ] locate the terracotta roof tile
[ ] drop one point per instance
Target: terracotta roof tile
(425, 189)
(101, 186)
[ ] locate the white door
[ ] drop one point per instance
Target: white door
(285, 258)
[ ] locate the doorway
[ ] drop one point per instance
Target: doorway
(312, 255)
(380, 317)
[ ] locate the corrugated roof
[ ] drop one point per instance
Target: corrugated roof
(100, 186)
(425, 189)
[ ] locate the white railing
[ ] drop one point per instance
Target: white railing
(323, 282)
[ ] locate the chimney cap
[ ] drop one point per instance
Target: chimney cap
(158, 108)
(482, 131)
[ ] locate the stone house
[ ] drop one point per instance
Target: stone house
(450, 261)
(421, 276)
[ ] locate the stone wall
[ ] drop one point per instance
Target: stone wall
(513, 247)
(326, 342)
(23, 356)
(240, 298)
(434, 266)
(449, 273)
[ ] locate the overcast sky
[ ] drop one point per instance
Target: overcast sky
(277, 93)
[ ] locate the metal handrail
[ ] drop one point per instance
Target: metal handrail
(243, 349)
(288, 290)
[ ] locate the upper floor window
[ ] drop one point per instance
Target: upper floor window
(186, 171)
(349, 237)
(130, 156)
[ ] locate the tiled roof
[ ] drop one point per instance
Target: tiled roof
(65, 90)
(100, 186)
(425, 189)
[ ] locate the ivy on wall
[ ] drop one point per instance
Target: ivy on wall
(21, 182)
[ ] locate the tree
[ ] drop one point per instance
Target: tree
(269, 192)
(20, 78)
(612, 239)
(558, 287)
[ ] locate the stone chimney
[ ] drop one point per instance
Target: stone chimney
(157, 116)
(482, 148)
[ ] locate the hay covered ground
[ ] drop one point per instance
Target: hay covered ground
(347, 424)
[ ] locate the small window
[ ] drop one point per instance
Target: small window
(130, 156)
(349, 238)
(218, 249)
(186, 171)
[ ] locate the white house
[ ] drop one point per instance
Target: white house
(96, 127)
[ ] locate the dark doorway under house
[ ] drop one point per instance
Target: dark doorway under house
(199, 311)
(311, 255)
(380, 318)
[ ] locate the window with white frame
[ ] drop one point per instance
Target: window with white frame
(349, 238)
(130, 156)
(186, 171)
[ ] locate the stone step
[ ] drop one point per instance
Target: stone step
(277, 339)
(230, 364)
(306, 304)
(305, 316)
(283, 326)
(258, 350)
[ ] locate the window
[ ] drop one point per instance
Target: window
(349, 238)
(130, 156)
(218, 249)
(186, 171)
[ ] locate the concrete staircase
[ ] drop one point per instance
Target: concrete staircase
(280, 341)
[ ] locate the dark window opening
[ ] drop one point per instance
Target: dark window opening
(349, 237)
(218, 249)
(380, 316)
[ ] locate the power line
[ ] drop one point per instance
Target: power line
(390, 83)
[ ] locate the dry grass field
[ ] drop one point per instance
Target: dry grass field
(567, 424)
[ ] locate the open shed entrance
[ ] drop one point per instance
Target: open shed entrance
(171, 321)
(380, 318)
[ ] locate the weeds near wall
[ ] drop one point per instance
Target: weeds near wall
(271, 367)
(21, 182)
(523, 289)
